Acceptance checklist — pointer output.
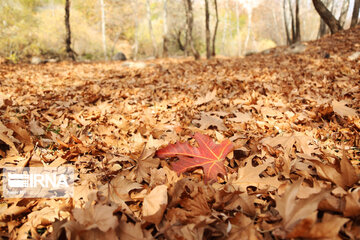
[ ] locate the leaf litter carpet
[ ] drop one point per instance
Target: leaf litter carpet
(293, 120)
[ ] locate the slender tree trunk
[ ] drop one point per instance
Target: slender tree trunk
(249, 30)
(148, 11)
(103, 30)
(344, 10)
(225, 27)
(207, 29)
(213, 53)
(286, 24)
(69, 50)
(136, 35)
(178, 39)
(355, 14)
(165, 34)
(187, 33)
(327, 16)
(190, 22)
(292, 23)
(297, 23)
(238, 27)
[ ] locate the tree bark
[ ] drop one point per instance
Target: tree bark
(225, 27)
(136, 35)
(344, 10)
(249, 31)
(293, 33)
(165, 34)
(297, 37)
(327, 16)
(190, 22)
(238, 27)
(207, 29)
(69, 50)
(213, 52)
(286, 24)
(178, 39)
(103, 30)
(323, 28)
(355, 14)
(148, 11)
(295, 23)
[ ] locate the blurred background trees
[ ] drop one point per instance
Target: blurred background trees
(154, 28)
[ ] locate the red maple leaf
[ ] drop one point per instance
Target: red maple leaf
(209, 155)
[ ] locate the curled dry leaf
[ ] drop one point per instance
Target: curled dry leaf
(292, 210)
(155, 204)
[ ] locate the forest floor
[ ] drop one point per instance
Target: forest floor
(292, 117)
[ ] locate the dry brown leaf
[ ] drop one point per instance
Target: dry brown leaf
(328, 228)
(35, 128)
(343, 175)
(96, 216)
(250, 176)
(130, 231)
(119, 189)
(342, 110)
(144, 163)
(242, 227)
(241, 117)
(293, 210)
(155, 204)
(207, 98)
(352, 204)
(206, 121)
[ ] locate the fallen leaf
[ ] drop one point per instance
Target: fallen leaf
(293, 210)
(250, 176)
(144, 163)
(207, 98)
(328, 228)
(342, 110)
(155, 204)
(208, 155)
(207, 121)
(241, 117)
(35, 128)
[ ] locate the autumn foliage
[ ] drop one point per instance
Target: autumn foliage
(261, 147)
(208, 155)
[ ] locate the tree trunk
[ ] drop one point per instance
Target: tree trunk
(103, 30)
(225, 27)
(344, 10)
(238, 27)
(297, 37)
(249, 31)
(327, 16)
(178, 39)
(286, 24)
(190, 22)
(293, 33)
(165, 34)
(213, 53)
(355, 14)
(69, 50)
(148, 12)
(323, 28)
(295, 23)
(207, 29)
(136, 35)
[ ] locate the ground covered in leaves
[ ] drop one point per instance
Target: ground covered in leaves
(292, 117)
